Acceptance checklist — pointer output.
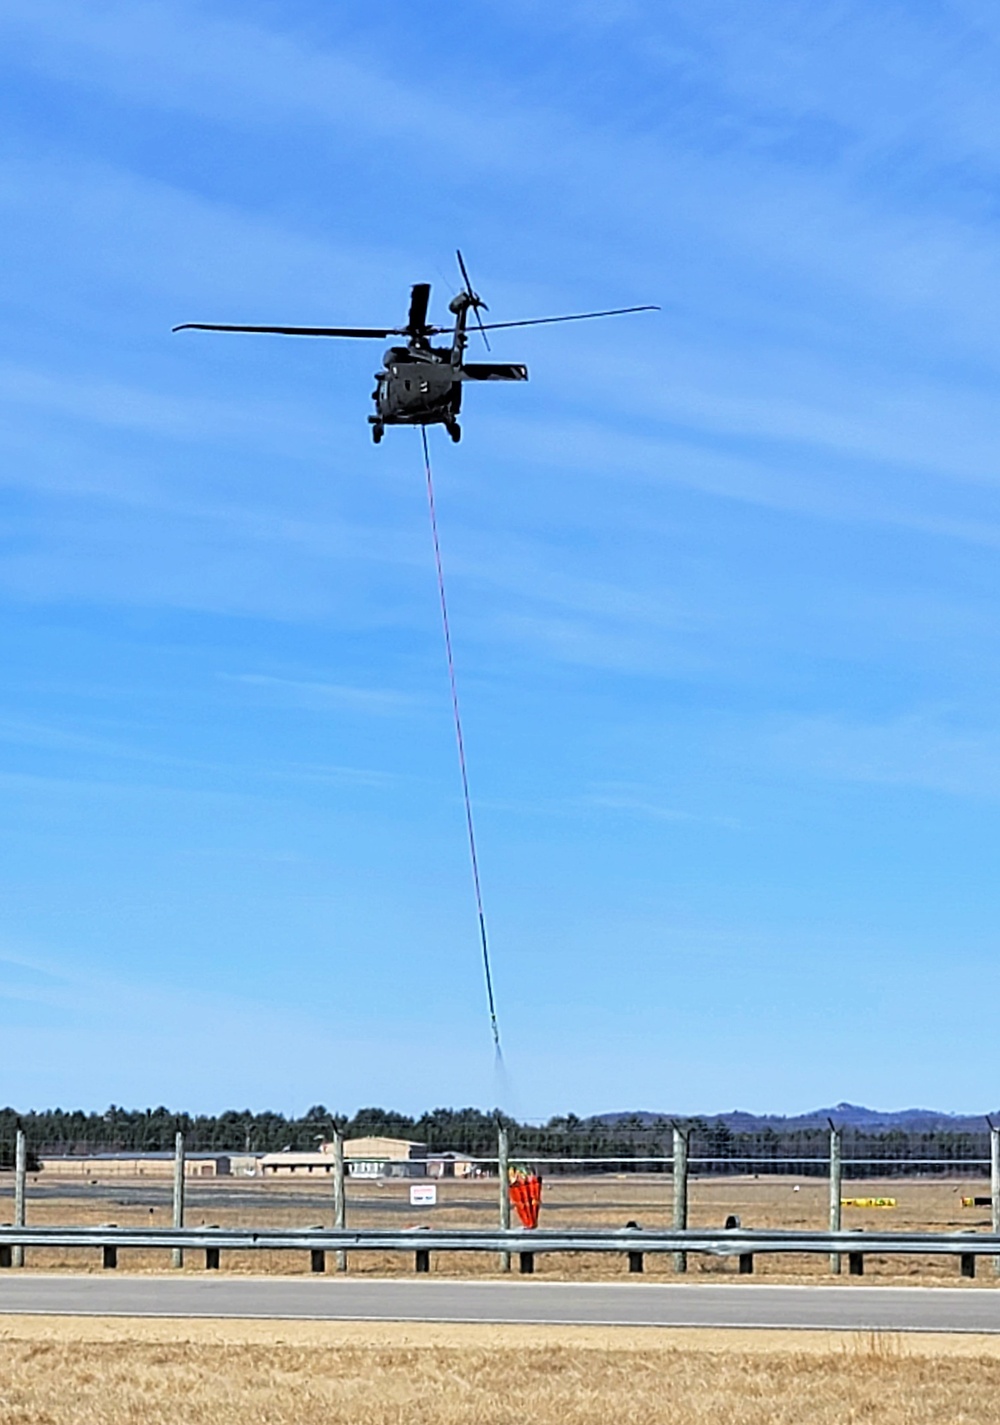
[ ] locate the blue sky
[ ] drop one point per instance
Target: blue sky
(724, 579)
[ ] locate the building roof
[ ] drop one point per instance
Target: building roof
(134, 1157)
(356, 1150)
(290, 1156)
(381, 1147)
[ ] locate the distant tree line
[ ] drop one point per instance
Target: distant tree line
(469, 1130)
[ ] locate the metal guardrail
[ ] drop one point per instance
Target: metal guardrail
(724, 1242)
(730, 1160)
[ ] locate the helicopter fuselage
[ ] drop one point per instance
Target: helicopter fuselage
(417, 387)
(421, 385)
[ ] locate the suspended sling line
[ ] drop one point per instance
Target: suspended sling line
(460, 740)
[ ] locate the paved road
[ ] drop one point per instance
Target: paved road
(847, 1308)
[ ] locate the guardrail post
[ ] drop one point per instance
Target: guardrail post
(746, 1264)
(967, 1265)
(339, 1196)
(20, 1185)
(995, 1187)
(422, 1263)
(6, 1256)
(177, 1255)
(317, 1256)
(856, 1264)
(634, 1258)
(836, 1189)
(212, 1255)
(680, 1174)
(109, 1256)
(503, 1171)
(527, 1263)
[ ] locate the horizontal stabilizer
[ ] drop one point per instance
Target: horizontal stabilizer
(492, 371)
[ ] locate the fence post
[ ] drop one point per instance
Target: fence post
(995, 1186)
(20, 1183)
(680, 1170)
(339, 1197)
(836, 1189)
(503, 1170)
(177, 1255)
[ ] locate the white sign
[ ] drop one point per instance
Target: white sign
(423, 1194)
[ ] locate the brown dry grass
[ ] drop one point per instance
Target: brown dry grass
(125, 1373)
(582, 1202)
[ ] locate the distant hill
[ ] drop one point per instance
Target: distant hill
(844, 1115)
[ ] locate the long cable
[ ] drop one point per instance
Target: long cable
(460, 740)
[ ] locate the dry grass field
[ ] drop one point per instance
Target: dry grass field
(93, 1372)
(787, 1202)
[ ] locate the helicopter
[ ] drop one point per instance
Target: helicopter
(419, 383)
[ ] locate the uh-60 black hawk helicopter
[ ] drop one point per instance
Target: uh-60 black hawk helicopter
(421, 384)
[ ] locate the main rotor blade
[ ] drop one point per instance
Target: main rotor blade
(292, 331)
(576, 317)
(420, 295)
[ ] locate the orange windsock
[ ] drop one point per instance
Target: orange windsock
(526, 1195)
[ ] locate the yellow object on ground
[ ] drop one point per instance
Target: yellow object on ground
(868, 1202)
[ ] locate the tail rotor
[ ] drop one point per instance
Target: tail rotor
(475, 301)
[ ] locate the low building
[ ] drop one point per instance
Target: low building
(288, 1163)
(385, 1158)
(134, 1165)
(452, 1165)
(363, 1158)
(245, 1165)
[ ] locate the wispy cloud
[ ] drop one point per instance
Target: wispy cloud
(935, 750)
(324, 697)
(182, 57)
(865, 490)
(99, 766)
(124, 407)
(635, 800)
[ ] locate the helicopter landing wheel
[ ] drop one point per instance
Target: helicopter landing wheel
(378, 431)
(454, 430)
